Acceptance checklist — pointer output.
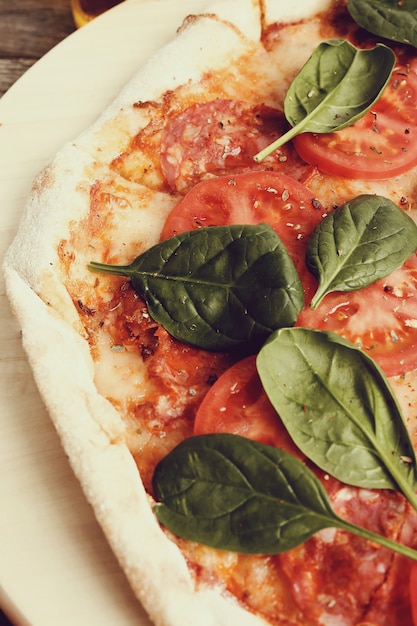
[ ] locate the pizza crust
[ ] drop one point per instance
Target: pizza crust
(293, 11)
(89, 427)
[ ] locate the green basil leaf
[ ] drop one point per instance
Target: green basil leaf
(392, 20)
(336, 87)
(218, 287)
(235, 494)
(360, 242)
(339, 409)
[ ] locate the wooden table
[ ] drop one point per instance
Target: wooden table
(28, 29)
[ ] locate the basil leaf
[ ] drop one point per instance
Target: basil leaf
(336, 87)
(393, 20)
(339, 409)
(360, 242)
(235, 494)
(218, 287)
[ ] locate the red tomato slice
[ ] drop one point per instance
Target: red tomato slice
(237, 404)
(381, 318)
(251, 198)
(222, 136)
(380, 145)
(413, 592)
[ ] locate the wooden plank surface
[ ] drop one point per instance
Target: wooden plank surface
(28, 29)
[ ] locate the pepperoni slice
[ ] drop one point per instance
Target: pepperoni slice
(222, 136)
(346, 578)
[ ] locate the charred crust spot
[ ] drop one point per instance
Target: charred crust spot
(147, 104)
(85, 309)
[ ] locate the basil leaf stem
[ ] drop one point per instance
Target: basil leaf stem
(231, 493)
(339, 409)
(336, 87)
(392, 20)
(217, 287)
(360, 242)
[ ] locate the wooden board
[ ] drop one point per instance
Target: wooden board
(55, 565)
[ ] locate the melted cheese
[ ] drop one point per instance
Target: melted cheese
(119, 374)
(126, 218)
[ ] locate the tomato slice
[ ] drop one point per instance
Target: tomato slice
(237, 404)
(382, 144)
(381, 319)
(251, 198)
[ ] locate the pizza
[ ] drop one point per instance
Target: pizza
(165, 277)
